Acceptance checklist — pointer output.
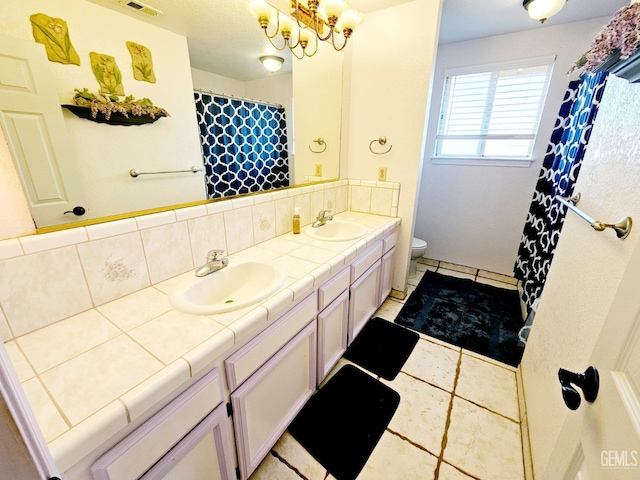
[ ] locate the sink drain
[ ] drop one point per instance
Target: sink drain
(229, 301)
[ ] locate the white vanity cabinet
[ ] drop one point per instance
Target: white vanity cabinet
(386, 277)
(189, 439)
(275, 375)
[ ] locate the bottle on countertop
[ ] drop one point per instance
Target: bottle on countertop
(296, 220)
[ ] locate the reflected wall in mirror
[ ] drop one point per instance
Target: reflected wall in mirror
(101, 156)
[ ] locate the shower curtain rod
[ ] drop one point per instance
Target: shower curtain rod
(235, 97)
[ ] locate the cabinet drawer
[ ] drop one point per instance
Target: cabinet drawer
(364, 261)
(254, 354)
(328, 292)
(389, 241)
(135, 454)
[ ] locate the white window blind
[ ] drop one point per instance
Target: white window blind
(492, 113)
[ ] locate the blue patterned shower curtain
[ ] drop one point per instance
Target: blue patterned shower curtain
(244, 145)
(559, 173)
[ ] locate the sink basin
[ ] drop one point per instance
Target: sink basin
(337, 231)
(231, 288)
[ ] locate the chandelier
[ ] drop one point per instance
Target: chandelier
(309, 19)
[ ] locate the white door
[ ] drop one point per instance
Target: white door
(608, 446)
(32, 121)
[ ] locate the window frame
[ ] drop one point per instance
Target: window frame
(492, 160)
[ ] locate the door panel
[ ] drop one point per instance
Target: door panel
(32, 120)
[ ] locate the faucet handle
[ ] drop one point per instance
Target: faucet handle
(214, 255)
(323, 213)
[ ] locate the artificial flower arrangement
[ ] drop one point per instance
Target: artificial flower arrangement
(620, 36)
(108, 104)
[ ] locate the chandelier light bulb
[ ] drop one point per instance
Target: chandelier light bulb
(334, 8)
(261, 9)
(350, 19)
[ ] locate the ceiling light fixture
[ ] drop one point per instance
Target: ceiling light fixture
(543, 9)
(308, 19)
(272, 63)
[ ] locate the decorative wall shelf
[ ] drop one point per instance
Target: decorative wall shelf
(629, 68)
(116, 118)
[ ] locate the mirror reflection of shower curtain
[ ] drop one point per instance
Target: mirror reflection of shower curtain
(244, 145)
(558, 176)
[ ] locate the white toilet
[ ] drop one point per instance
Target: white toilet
(418, 249)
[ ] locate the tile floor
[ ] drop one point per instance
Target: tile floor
(458, 417)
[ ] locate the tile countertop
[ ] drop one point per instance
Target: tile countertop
(88, 376)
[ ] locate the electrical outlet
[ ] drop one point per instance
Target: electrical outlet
(318, 169)
(382, 174)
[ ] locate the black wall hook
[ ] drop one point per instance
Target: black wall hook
(589, 383)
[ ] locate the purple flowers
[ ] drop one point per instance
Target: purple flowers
(622, 34)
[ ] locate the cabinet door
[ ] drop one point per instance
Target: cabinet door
(386, 280)
(168, 433)
(265, 405)
(364, 299)
(205, 453)
(332, 334)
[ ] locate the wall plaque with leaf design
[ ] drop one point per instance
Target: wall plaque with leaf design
(53, 33)
(107, 73)
(141, 62)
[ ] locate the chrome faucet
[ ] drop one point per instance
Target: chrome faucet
(215, 262)
(323, 217)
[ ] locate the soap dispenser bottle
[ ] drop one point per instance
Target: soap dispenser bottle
(296, 220)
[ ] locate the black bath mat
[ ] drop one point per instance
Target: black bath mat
(342, 423)
(382, 347)
(481, 318)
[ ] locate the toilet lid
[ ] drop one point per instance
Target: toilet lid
(418, 243)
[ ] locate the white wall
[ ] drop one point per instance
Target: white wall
(391, 61)
(15, 218)
(317, 87)
(586, 269)
(104, 153)
(474, 215)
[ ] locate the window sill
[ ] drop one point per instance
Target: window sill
(483, 162)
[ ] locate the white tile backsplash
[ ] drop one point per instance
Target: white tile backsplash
(206, 233)
(238, 227)
(10, 248)
(264, 222)
(103, 263)
(114, 266)
(168, 250)
(63, 238)
(43, 288)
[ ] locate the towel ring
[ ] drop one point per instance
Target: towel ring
(381, 141)
(320, 141)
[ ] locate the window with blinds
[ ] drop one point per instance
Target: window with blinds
(492, 114)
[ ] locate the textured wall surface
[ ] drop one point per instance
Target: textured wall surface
(587, 268)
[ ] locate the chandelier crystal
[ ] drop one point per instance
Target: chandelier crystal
(309, 19)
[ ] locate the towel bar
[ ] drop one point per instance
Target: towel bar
(134, 173)
(622, 228)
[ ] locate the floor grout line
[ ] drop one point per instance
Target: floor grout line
(448, 421)
(291, 467)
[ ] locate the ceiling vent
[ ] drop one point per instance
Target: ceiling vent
(141, 7)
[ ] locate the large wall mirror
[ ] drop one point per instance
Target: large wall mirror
(211, 46)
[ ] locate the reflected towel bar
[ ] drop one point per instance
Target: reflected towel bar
(622, 228)
(134, 173)
(320, 141)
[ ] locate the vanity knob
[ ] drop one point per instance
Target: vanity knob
(78, 211)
